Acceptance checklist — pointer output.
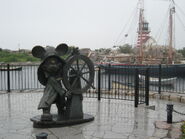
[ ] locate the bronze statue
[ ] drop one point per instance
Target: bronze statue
(50, 75)
(63, 85)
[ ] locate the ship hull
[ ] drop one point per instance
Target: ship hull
(176, 70)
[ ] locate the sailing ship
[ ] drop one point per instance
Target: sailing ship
(169, 69)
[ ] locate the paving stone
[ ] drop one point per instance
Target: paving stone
(122, 129)
(137, 137)
(112, 135)
(52, 137)
(104, 127)
(177, 125)
(65, 131)
(16, 136)
(175, 133)
(143, 132)
(153, 138)
(162, 125)
(160, 133)
(79, 136)
(81, 126)
(88, 132)
(99, 134)
(93, 138)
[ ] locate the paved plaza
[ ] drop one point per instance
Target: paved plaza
(114, 119)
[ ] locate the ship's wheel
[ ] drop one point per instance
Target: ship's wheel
(78, 74)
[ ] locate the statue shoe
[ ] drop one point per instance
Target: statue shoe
(46, 117)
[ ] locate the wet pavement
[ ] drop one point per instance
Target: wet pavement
(114, 119)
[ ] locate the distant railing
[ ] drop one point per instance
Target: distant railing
(18, 77)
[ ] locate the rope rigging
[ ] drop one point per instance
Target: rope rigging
(180, 20)
(162, 27)
(130, 29)
(133, 14)
(177, 14)
(179, 9)
(131, 25)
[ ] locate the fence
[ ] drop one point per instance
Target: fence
(110, 80)
(112, 85)
(163, 78)
(18, 77)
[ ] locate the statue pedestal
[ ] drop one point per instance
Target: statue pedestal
(37, 123)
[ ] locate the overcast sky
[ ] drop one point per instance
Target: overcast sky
(83, 23)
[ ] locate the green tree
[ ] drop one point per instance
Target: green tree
(6, 56)
(103, 50)
(126, 48)
(182, 51)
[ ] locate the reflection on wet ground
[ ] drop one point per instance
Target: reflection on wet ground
(114, 119)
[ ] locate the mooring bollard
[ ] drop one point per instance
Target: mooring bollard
(41, 135)
(169, 109)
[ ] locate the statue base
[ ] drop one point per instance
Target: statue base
(38, 123)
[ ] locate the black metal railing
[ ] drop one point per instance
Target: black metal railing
(18, 77)
(112, 85)
(113, 81)
(163, 78)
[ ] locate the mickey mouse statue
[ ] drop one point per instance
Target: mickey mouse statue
(50, 73)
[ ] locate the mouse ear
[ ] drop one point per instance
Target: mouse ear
(61, 49)
(38, 51)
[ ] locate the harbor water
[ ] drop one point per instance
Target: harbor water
(27, 79)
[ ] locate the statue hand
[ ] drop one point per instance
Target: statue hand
(68, 94)
(59, 79)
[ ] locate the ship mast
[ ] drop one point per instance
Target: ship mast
(141, 18)
(143, 31)
(171, 32)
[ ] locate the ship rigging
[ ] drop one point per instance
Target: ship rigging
(144, 32)
(143, 37)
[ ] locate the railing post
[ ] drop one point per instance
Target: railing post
(99, 83)
(136, 88)
(169, 109)
(159, 89)
(109, 83)
(8, 77)
(147, 85)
